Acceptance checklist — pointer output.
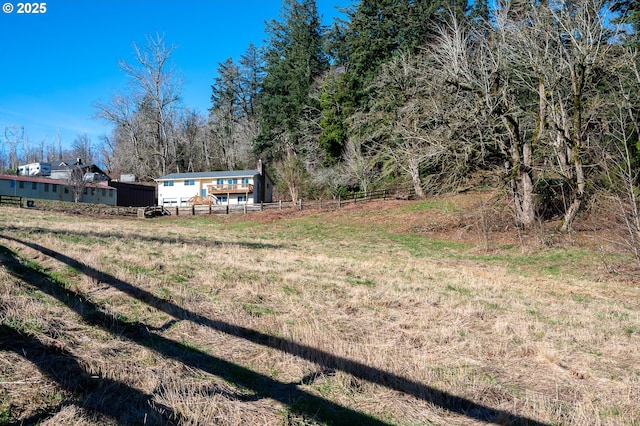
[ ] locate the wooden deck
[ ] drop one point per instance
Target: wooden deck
(240, 188)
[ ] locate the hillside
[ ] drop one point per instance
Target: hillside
(397, 312)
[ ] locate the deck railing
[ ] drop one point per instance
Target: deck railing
(234, 187)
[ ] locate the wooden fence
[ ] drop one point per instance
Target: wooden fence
(11, 200)
(337, 203)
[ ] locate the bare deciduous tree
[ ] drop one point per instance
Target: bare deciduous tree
(358, 165)
(477, 64)
(82, 148)
(77, 182)
(531, 75)
(145, 117)
(191, 144)
(292, 173)
(619, 155)
(582, 47)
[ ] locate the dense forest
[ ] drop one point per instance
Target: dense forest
(542, 96)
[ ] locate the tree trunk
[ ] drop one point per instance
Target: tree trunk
(578, 187)
(570, 214)
(519, 168)
(528, 212)
(415, 178)
(521, 187)
(578, 191)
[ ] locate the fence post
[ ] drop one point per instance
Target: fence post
(227, 208)
(354, 198)
(280, 204)
(210, 209)
(177, 211)
(261, 206)
(300, 203)
(193, 210)
(384, 195)
(244, 208)
(339, 203)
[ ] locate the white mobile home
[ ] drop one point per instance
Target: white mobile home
(35, 169)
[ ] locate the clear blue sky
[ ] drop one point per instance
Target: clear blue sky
(54, 66)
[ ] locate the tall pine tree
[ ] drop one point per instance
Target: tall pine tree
(378, 29)
(375, 31)
(294, 59)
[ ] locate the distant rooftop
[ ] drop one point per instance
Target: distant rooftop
(212, 175)
(46, 179)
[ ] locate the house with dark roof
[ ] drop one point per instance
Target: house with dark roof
(67, 170)
(220, 187)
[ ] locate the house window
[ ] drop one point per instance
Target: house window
(167, 183)
(66, 189)
(245, 180)
(34, 185)
(104, 192)
(93, 192)
(223, 199)
(21, 185)
(220, 181)
(46, 187)
(13, 184)
(55, 188)
(242, 199)
(189, 182)
(230, 181)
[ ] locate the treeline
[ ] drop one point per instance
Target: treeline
(543, 94)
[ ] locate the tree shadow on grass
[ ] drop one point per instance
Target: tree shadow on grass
(327, 361)
(289, 394)
(109, 398)
(178, 239)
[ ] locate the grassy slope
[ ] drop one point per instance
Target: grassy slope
(386, 313)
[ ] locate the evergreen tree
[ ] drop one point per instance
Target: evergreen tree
(251, 75)
(225, 94)
(479, 11)
(294, 59)
(378, 29)
(375, 32)
(333, 119)
(232, 114)
(628, 13)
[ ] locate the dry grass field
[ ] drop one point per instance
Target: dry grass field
(398, 312)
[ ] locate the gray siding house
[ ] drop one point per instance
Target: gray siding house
(52, 189)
